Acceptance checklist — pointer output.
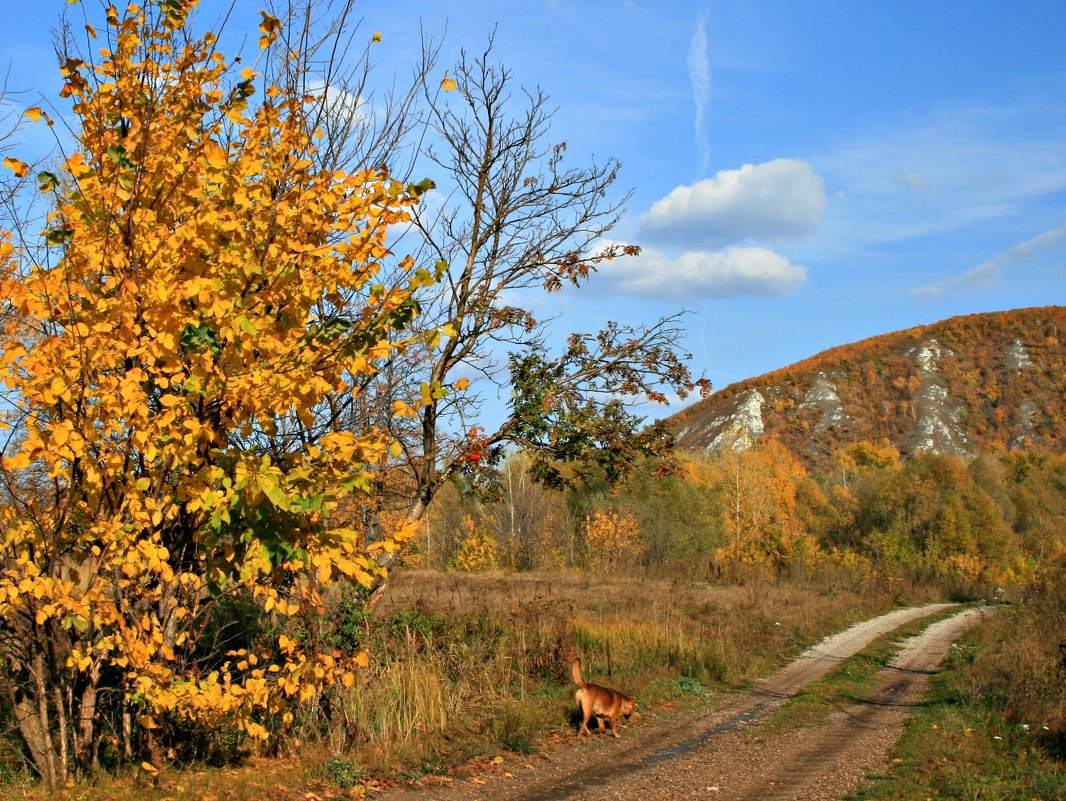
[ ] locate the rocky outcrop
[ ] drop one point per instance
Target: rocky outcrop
(738, 428)
(822, 397)
(938, 424)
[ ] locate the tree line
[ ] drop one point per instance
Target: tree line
(996, 520)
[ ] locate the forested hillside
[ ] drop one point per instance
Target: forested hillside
(962, 386)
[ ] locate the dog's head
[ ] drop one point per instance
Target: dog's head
(627, 705)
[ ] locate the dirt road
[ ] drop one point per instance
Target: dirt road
(712, 754)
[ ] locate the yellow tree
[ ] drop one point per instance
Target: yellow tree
(206, 287)
(612, 537)
(760, 506)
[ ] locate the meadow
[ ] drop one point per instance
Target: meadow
(466, 666)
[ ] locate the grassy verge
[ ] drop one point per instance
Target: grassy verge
(950, 752)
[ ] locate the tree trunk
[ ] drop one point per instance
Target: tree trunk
(85, 753)
(29, 722)
(30, 701)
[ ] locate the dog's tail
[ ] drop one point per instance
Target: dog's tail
(575, 671)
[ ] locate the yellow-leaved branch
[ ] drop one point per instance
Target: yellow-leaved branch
(206, 290)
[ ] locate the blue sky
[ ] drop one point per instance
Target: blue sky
(804, 174)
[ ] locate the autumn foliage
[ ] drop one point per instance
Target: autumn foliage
(205, 290)
(612, 538)
(1004, 404)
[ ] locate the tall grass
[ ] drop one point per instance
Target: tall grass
(398, 703)
(470, 664)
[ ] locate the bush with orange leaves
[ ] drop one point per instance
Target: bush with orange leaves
(612, 539)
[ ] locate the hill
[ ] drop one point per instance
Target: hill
(961, 386)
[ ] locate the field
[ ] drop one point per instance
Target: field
(467, 666)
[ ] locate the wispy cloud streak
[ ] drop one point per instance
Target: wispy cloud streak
(699, 73)
(988, 273)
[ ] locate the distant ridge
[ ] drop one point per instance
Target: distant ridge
(965, 385)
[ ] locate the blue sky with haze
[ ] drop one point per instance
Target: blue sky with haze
(804, 174)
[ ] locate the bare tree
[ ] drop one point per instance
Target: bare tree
(524, 516)
(514, 219)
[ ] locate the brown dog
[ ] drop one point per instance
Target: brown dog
(603, 702)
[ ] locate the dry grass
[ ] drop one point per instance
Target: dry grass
(466, 665)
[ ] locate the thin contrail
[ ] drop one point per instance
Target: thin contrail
(699, 73)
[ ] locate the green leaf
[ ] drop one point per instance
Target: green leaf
(46, 181)
(118, 155)
(199, 338)
(421, 187)
(59, 236)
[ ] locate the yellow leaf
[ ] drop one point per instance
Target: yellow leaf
(148, 767)
(376, 37)
(20, 168)
(462, 384)
(34, 113)
(270, 27)
(362, 659)
(215, 155)
(60, 434)
(448, 84)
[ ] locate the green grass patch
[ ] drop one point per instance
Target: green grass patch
(953, 751)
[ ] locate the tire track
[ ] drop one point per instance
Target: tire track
(827, 761)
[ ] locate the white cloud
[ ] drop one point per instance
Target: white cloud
(345, 107)
(699, 275)
(989, 272)
(779, 199)
(699, 74)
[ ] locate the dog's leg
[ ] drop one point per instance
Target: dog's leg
(586, 713)
(614, 725)
(584, 730)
